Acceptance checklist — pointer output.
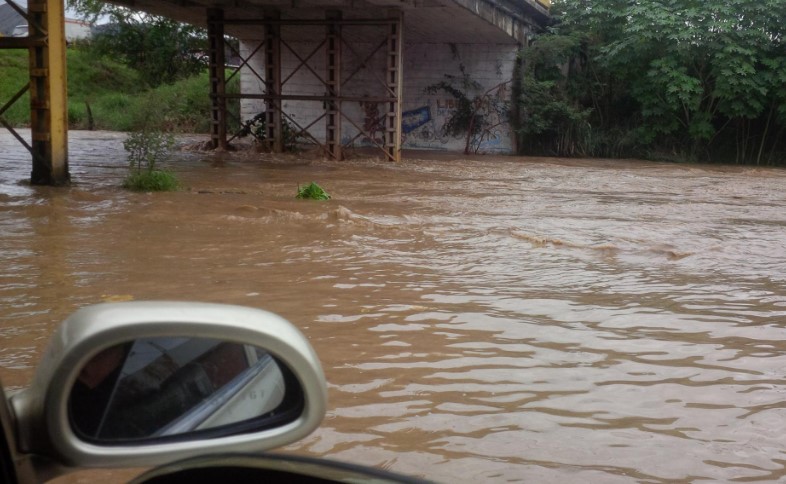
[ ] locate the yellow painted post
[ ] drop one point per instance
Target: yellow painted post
(48, 93)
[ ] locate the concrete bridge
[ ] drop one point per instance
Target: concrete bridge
(341, 73)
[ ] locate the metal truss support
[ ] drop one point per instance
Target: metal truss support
(218, 100)
(395, 84)
(274, 122)
(48, 96)
(333, 84)
(337, 49)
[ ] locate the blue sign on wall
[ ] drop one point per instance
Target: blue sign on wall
(412, 120)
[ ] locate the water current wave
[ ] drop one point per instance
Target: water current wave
(479, 320)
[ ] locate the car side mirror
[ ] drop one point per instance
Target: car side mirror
(171, 389)
(147, 383)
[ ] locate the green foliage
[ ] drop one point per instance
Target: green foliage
(146, 147)
(90, 77)
(257, 128)
(160, 49)
(115, 95)
(462, 120)
(699, 79)
(312, 191)
(151, 181)
(548, 119)
(185, 105)
(14, 71)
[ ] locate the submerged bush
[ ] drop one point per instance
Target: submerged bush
(151, 181)
(146, 148)
(312, 191)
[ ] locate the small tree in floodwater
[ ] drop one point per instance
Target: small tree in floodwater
(146, 147)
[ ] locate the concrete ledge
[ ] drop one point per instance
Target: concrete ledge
(517, 18)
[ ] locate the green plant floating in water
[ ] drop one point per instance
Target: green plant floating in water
(312, 191)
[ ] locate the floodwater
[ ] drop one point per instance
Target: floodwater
(479, 320)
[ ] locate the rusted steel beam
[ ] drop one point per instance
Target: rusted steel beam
(245, 62)
(218, 100)
(15, 98)
(304, 133)
(304, 62)
(312, 23)
(274, 122)
(364, 62)
(21, 42)
(298, 97)
(395, 84)
(16, 135)
(373, 141)
(333, 79)
(23, 14)
(333, 105)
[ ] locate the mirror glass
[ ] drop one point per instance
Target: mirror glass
(165, 387)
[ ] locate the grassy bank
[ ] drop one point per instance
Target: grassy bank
(113, 94)
(13, 72)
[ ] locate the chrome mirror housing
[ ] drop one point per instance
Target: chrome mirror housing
(147, 383)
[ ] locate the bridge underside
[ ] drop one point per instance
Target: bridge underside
(456, 21)
(346, 73)
(336, 73)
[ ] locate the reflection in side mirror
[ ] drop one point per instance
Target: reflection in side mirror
(165, 388)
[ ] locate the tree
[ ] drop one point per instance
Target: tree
(551, 118)
(688, 75)
(162, 50)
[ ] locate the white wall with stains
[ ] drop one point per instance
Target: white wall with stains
(425, 114)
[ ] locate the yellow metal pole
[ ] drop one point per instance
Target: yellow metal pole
(48, 94)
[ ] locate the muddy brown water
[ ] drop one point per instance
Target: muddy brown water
(492, 319)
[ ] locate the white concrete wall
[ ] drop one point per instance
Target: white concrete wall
(426, 64)
(249, 82)
(425, 114)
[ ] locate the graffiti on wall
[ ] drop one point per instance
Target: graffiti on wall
(494, 133)
(412, 120)
(420, 129)
(425, 127)
(373, 124)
